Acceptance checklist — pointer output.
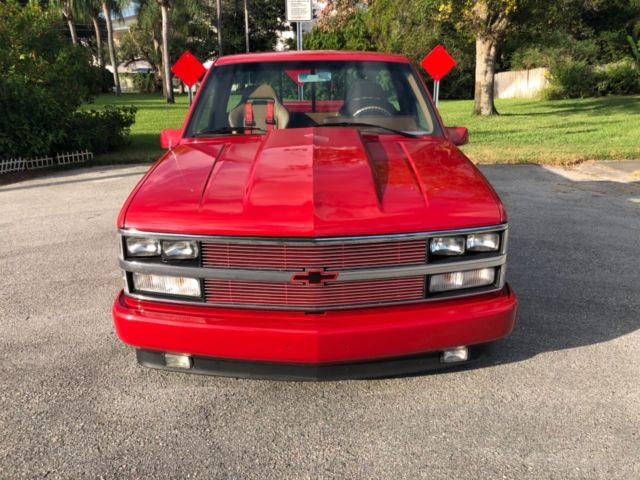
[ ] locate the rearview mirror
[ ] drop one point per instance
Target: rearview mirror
(170, 137)
(458, 135)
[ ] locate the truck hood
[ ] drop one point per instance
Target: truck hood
(315, 182)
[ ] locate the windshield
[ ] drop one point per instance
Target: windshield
(257, 97)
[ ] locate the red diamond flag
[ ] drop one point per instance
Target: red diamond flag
(188, 69)
(438, 62)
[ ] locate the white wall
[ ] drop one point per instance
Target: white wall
(520, 83)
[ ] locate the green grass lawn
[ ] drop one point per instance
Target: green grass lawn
(551, 132)
(154, 114)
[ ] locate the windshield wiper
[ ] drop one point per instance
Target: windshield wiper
(360, 124)
(223, 130)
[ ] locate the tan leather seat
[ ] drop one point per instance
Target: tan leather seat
(259, 109)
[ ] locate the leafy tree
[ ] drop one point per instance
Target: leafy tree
(487, 22)
(410, 27)
(192, 27)
(336, 14)
(190, 30)
(142, 41)
(266, 19)
(43, 80)
(635, 49)
(335, 34)
(566, 30)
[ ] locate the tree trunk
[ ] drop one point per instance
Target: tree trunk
(157, 48)
(72, 31)
(164, 9)
(246, 25)
(96, 27)
(106, 11)
(68, 15)
(486, 50)
(219, 25)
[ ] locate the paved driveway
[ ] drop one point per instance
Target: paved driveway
(560, 398)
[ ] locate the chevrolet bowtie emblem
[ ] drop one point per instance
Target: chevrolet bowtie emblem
(314, 277)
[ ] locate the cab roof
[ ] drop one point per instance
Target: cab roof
(293, 55)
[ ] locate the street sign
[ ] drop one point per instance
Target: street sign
(188, 69)
(437, 63)
(299, 10)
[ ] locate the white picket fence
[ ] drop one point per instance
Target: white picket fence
(20, 164)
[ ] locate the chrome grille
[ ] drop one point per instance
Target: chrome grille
(314, 274)
(298, 257)
(340, 294)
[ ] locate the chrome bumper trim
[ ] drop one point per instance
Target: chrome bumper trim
(283, 276)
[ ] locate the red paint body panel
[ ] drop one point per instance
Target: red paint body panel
(313, 182)
(327, 55)
(337, 336)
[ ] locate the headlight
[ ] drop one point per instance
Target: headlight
(185, 286)
(143, 247)
(483, 242)
(180, 250)
(447, 245)
(458, 280)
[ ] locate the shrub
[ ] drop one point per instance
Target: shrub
(99, 130)
(103, 81)
(534, 57)
(561, 48)
(572, 79)
(146, 82)
(621, 78)
(31, 121)
(576, 79)
(553, 92)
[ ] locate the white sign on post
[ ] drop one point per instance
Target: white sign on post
(299, 10)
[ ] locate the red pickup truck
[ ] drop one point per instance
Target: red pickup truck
(313, 219)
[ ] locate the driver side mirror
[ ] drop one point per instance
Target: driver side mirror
(170, 137)
(457, 135)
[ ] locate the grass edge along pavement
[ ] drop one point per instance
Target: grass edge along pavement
(560, 132)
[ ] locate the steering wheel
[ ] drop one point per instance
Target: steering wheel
(372, 110)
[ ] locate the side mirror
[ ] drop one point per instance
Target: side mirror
(458, 135)
(170, 137)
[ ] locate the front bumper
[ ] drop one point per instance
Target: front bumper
(386, 367)
(317, 340)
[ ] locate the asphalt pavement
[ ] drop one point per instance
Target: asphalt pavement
(560, 398)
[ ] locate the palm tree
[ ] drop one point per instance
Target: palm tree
(96, 28)
(90, 10)
(66, 8)
(146, 35)
(107, 7)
